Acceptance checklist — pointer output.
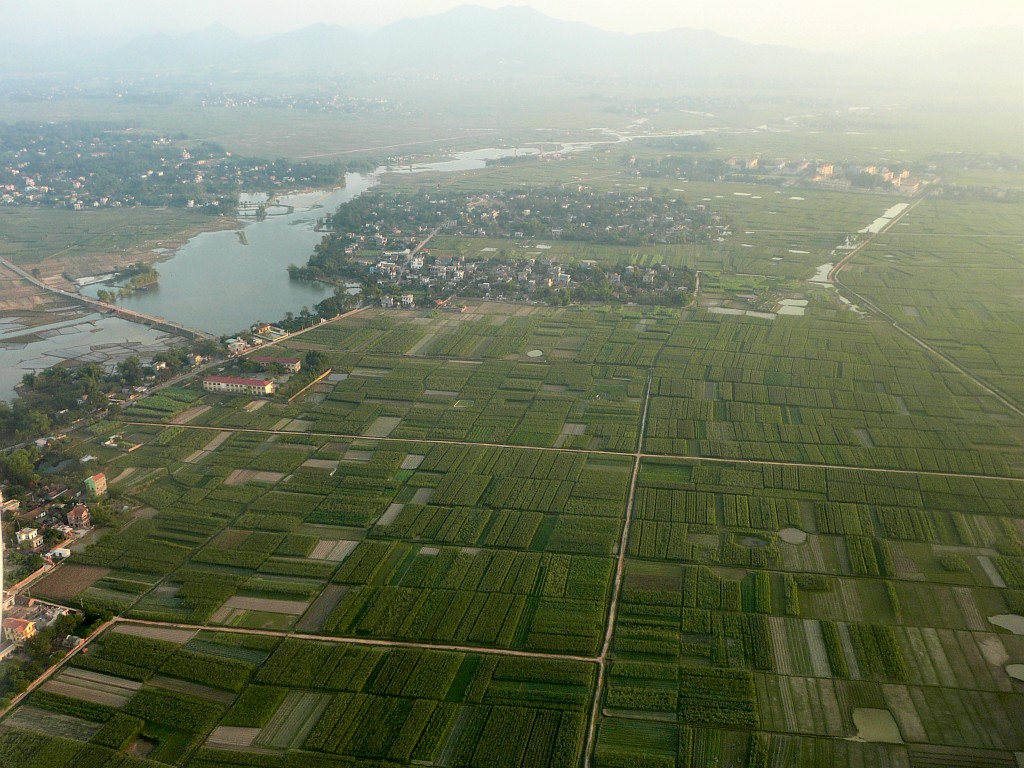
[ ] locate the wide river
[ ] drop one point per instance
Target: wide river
(223, 282)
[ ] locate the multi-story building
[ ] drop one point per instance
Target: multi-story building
(235, 386)
(78, 516)
(17, 631)
(96, 485)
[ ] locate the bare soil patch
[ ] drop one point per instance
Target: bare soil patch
(190, 413)
(391, 514)
(793, 535)
(991, 571)
(332, 550)
(423, 495)
(124, 475)
(327, 464)
(412, 461)
(68, 581)
(52, 724)
(269, 605)
(87, 685)
(142, 747)
(191, 689)
(993, 650)
(1010, 621)
(243, 476)
(219, 439)
(382, 426)
(170, 634)
(313, 619)
(876, 725)
(227, 737)
(294, 719)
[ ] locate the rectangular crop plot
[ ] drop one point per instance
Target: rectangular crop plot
(412, 461)
(313, 619)
(332, 550)
(179, 636)
(68, 581)
(227, 737)
(243, 476)
(52, 724)
(382, 426)
(92, 686)
(294, 720)
(268, 605)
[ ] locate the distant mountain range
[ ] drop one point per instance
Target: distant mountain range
(515, 41)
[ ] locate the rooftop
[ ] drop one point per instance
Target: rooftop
(235, 380)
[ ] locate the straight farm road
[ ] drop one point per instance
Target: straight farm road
(834, 276)
(590, 451)
(620, 569)
(120, 620)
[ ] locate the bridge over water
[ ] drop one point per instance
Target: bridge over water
(159, 323)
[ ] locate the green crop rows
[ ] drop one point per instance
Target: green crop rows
(824, 524)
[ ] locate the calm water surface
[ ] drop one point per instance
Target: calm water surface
(217, 283)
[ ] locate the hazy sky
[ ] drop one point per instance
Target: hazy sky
(805, 23)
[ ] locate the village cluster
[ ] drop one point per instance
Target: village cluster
(48, 525)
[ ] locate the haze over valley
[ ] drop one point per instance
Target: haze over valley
(565, 386)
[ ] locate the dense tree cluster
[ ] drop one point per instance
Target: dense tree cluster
(58, 396)
(571, 212)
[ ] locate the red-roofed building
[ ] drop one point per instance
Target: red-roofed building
(18, 630)
(235, 386)
(78, 516)
(290, 364)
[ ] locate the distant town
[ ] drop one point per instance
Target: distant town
(86, 165)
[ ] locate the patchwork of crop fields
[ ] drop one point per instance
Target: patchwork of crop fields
(607, 536)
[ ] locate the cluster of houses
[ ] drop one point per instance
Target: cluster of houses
(20, 620)
(831, 175)
(23, 618)
(405, 301)
(68, 521)
(455, 273)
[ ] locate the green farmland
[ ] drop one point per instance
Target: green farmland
(604, 536)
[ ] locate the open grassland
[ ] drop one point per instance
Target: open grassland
(91, 242)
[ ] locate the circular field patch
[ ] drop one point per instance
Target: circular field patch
(793, 535)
